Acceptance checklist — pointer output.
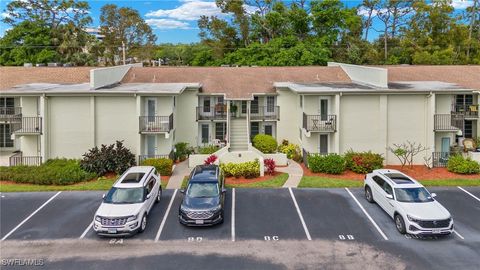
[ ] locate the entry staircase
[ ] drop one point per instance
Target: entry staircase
(238, 134)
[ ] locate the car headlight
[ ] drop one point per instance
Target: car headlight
(412, 218)
(217, 208)
(184, 209)
(132, 218)
(98, 218)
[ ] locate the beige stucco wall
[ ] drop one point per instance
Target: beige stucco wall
(116, 119)
(443, 103)
(290, 117)
(29, 106)
(30, 145)
(69, 126)
(185, 120)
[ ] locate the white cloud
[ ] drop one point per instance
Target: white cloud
(4, 15)
(189, 10)
(462, 4)
(167, 24)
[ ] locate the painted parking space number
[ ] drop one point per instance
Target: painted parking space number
(116, 241)
(271, 238)
(194, 239)
(346, 237)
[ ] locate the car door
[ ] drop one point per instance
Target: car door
(378, 192)
(389, 203)
(150, 191)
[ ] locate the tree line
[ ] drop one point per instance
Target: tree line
(252, 32)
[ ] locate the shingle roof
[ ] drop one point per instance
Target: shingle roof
(466, 76)
(236, 82)
(11, 76)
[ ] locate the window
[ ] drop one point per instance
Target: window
(254, 105)
(378, 180)
(7, 102)
(220, 100)
(206, 104)
(220, 131)
(205, 132)
(323, 109)
(387, 188)
(468, 129)
(269, 130)
(244, 106)
(150, 185)
(254, 129)
(270, 104)
(323, 144)
(5, 136)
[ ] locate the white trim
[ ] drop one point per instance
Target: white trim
(164, 220)
(473, 196)
(307, 233)
(233, 215)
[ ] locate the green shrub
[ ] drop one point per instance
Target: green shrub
(182, 151)
(163, 165)
(363, 162)
(265, 143)
(459, 164)
(109, 158)
(250, 169)
(52, 172)
(331, 164)
(291, 150)
(208, 150)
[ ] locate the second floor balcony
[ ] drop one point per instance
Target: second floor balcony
(320, 123)
(468, 111)
(448, 122)
(217, 112)
(7, 113)
(26, 125)
(155, 124)
(265, 113)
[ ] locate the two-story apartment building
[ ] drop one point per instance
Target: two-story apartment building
(323, 109)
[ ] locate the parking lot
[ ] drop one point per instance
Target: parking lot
(270, 215)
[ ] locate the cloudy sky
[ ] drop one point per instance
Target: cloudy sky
(175, 21)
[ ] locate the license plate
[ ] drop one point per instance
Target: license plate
(436, 231)
(199, 221)
(112, 230)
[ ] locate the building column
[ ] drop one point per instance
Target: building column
(429, 125)
(248, 120)
(43, 112)
(93, 121)
(139, 137)
(383, 125)
(336, 135)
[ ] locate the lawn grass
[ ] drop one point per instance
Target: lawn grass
(275, 182)
(323, 182)
(100, 184)
(184, 183)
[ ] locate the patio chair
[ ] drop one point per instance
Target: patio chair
(469, 145)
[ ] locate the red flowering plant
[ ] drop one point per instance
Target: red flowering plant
(210, 160)
(269, 165)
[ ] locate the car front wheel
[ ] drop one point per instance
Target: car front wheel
(143, 224)
(368, 195)
(159, 195)
(400, 224)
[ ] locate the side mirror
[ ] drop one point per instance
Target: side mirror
(103, 196)
(148, 196)
(182, 191)
(433, 195)
(224, 190)
(389, 196)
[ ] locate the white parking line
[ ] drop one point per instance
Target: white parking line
(368, 216)
(31, 215)
(86, 231)
(475, 197)
(165, 216)
(233, 214)
(300, 214)
(459, 235)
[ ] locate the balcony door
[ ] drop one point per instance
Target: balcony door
(254, 106)
(323, 109)
(323, 144)
(269, 105)
(150, 109)
(205, 132)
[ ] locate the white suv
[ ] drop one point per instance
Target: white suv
(126, 206)
(413, 208)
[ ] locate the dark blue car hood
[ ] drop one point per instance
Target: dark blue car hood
(201, 203)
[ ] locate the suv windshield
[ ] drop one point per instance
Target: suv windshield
(413, 195)
(124, 195)
(202, 190)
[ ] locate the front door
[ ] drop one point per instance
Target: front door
(268, 129)
(151, 143)
(445, 145)
(205, 133)
(323, 148)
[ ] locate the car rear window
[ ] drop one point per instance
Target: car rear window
(132, 178)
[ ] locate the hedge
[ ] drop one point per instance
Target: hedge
(331, 164)
(163, 165)
(265, 143)
(363, 162)
(250, 169)
(52, 172)
(459, 164)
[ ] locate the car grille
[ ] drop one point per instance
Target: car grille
(434, 223)
(199, 214)
(113, 221)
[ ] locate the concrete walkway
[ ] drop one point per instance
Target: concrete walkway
(181, 170)
(295, 173)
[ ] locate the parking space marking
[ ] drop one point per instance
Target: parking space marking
(473, 196)
(368, 216)
(86, 230)
(30, 216)
(300, 214)
(233, 214)
(459, 235)
(165, 216)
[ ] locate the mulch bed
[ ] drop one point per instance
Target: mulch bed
(241, 180)
(418, 172)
